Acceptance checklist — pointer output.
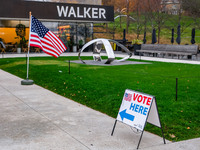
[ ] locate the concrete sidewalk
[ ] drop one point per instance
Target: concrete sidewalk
(33, 118)
(117, 54)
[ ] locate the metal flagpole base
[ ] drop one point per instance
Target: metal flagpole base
(27, 82)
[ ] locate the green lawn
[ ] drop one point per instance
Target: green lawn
(102, 88)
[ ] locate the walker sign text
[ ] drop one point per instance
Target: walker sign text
(135, 108)
(81, 12)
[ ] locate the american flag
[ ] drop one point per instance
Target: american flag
(42, 37)
(128, 97)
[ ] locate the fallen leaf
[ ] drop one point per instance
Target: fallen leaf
(172, 135)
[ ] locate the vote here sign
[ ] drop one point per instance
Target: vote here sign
(135, 108)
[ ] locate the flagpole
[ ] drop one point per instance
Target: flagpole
(27, 81)
(28, 44)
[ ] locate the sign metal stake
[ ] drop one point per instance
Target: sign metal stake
(161, 126)
(140, 139)
(114, 127)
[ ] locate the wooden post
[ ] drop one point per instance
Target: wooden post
(176, 89)
(69, 67)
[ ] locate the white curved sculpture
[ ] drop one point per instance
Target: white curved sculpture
(108, 48)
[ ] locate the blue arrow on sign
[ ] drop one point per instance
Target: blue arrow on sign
(123, 115)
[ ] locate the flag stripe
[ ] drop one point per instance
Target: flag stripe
(43, 45)
(59, 41)
(49, 52)
(48, 39)
(55, 42)
(50, 49)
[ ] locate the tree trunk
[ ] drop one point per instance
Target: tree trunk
(127, 18)
(159, 29)
(120, 22)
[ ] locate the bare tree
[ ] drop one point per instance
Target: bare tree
(191, 8)
(179, 19)
(157, 18)
(138, 19)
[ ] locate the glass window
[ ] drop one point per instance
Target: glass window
(70, 33)
(9, 36)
